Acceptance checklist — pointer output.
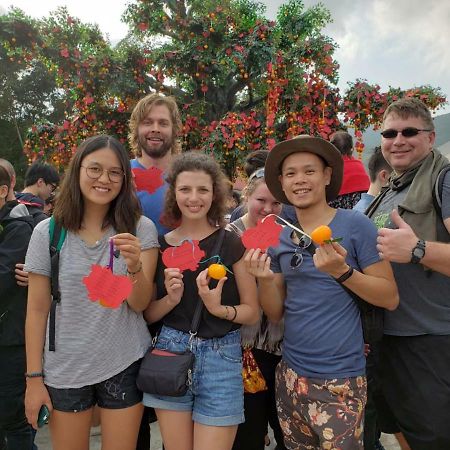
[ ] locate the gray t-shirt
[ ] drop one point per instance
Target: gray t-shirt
(424, 295)
(93, 343)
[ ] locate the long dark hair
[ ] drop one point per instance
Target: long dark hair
(196, 162)
(124, 211)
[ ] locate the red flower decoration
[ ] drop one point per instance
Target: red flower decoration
(186, 256)
(265, 234)
(108, 289)
(148, 179)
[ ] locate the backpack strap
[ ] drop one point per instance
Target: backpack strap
(441, 231)
(57, 236)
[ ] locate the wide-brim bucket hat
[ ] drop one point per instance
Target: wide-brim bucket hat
(308, 144)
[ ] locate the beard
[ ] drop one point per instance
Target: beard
(156, 152)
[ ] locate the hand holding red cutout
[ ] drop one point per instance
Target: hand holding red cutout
(265, 234)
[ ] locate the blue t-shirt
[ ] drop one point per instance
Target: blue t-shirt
(152, 204)
(323, 334)
(364, 202)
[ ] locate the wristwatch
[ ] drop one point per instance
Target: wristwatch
(418, 252)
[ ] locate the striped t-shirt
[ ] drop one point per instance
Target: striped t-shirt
(93, 343)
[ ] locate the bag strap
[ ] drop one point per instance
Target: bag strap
(57, 236)
(198, 309)
(441, 231)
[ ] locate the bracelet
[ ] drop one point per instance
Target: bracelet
(345, 276)
(34, 375)
(226, 309)
(235, 313)
(135, 272)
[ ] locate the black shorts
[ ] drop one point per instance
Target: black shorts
(119, 391)
(415, 372)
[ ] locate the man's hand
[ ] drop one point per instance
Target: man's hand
(21, 275)
(330, 258)
(396, 245)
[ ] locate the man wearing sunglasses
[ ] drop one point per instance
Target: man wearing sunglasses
(415, 352)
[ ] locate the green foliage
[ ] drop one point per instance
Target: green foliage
(242, 82)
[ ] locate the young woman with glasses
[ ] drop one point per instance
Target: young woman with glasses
(97, 349)
(263, 338)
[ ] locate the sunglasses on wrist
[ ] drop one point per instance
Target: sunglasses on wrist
(406, 132)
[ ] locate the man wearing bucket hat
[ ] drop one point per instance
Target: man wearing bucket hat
(321, 386)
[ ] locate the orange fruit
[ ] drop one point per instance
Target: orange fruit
(216, 271)
(321, 234)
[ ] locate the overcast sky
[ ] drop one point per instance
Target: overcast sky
(402, 43)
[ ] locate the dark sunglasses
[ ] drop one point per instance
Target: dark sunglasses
(406, 132)
(297, 257)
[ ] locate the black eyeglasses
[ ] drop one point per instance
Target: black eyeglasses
(297, 257)
(115, 175)
(259, 173)
(53, 186)
(406, 132)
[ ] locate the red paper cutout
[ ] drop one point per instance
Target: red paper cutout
(265, 234)
(186, 256)
(108, 289)
(148, 179)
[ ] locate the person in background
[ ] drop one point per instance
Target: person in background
(16, 226)
(207, 415)
(41, 180)
(355, 180)
(155, 125)
(379, 173)
(264, 338)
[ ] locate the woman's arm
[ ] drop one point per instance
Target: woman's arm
(247, 312)
(143, 283)
(39, 300)
(173, 281)
(141, 266)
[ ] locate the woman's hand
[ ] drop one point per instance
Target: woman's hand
(212, 298)
(257, 264)
(36, 395)
(173, 281)
(129, 247)
(330, 258)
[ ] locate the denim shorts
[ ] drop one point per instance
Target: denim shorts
(216, 395)
(119, 391)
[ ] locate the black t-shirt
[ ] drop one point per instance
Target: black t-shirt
(180, 317)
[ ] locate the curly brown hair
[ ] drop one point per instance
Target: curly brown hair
(196, 162)
(124, 211)
(142, 108)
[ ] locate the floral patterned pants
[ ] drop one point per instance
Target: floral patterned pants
(319, 413)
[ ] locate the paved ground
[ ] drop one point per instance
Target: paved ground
(43, 440)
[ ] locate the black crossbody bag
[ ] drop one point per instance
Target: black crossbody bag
(170, 373)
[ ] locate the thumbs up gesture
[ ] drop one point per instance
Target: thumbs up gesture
(396, 245)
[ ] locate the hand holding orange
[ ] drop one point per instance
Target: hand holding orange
(216, 271)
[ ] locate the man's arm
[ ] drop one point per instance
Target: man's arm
(397, 245)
